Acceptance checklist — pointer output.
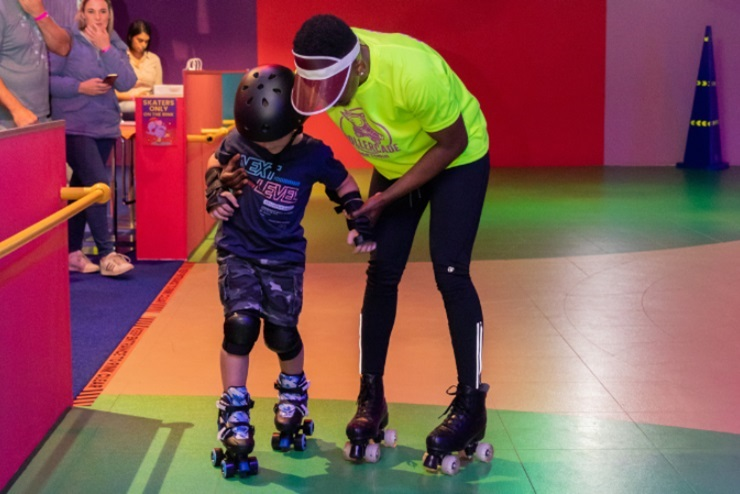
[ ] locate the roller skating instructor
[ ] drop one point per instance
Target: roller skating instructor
(408, 114)
(258, 184)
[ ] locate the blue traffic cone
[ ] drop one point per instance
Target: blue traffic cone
(703, 149)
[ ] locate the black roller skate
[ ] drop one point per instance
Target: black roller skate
(236, 434)
(291, 408)
(461, 431)
(366, 429)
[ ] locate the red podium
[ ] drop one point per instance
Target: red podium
(171, 156)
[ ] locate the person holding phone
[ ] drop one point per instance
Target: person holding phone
(89, 106)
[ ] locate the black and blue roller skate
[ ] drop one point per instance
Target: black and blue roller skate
(290, 410)
(366, 431)
(236, 434)
(461, 431)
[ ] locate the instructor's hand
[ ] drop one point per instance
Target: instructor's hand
(233, 176)
(372, 208)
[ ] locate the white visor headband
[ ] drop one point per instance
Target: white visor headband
(339, 65)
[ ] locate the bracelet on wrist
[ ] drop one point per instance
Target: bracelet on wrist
(104, 50)
(41, 16)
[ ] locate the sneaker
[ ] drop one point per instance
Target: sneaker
(79, 263)
(114, 264)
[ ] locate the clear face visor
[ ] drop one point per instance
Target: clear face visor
(320, 81)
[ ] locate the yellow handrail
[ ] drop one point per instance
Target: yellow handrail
(200, 138)
(83, 197)
(208, 135)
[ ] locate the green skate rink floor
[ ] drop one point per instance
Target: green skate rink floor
(612, 344)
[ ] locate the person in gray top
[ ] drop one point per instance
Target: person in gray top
(26, 30)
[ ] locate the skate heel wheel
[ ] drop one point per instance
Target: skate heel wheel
(358, 452)
(449, 464)
(484, 452)
(244, 467)
(282, 441)
(232, 465)
(308, 427)
(390, 438)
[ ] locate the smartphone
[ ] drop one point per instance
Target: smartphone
(110, 79)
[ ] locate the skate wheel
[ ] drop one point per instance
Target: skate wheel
(254, 466)
(244, 468)
(299, 442)
(217, 456)
(450, 465)
(430, 462)
(285, 443)
(275, 441)
(372, 453)
(484, 452)
(347, 450)
(390, 437)
(308, 427)
(227, 469)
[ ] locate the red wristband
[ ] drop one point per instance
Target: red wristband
(42, 15)
(104, 50)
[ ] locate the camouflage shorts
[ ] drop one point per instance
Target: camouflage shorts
(272, 289)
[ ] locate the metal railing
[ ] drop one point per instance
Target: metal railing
(83, 197)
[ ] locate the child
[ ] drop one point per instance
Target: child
(258, 183)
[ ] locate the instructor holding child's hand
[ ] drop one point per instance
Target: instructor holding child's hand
(407, 113)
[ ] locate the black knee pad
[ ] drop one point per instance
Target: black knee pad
(241, 330)
(285, 341)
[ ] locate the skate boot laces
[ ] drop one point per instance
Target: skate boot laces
(457, 407)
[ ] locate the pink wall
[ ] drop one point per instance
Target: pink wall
(36, 362)
(652, 60)
(536, 67)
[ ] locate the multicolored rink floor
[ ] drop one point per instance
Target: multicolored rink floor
(612, 351)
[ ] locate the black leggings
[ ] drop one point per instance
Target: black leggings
(456, 200)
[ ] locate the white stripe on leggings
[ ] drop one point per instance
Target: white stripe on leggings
(360, 344)
(479, 353)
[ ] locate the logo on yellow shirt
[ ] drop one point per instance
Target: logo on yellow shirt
(369, 138)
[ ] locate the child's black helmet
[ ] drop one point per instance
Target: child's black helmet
(262, 108)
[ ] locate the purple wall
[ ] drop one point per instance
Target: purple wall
(223, 37)
(653, 51)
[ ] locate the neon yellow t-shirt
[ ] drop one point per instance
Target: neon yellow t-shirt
(410, 91)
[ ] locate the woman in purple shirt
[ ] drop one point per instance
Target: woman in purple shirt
(83, 96)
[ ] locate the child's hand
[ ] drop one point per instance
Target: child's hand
(364, 247)
(225, 210)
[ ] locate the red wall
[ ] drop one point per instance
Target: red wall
(35, 341)
(539, 71)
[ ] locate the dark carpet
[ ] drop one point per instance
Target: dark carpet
(104, 309)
